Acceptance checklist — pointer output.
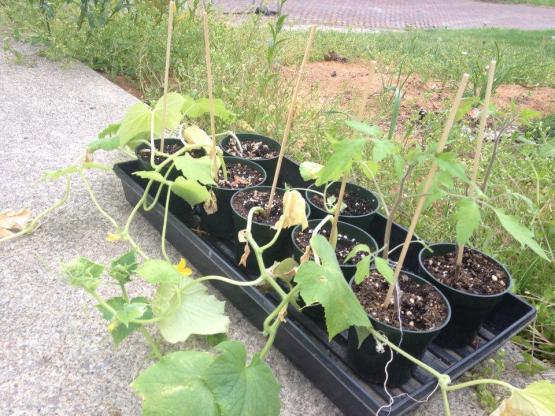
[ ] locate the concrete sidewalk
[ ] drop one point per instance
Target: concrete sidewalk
(404, 14)
(56, 357)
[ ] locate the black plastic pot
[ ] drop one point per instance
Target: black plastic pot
(360, 221)
(145, 164)
(351, 231)
(262, 234)
(469, 310)
(269, 165)
(220, 223)
(370, 363)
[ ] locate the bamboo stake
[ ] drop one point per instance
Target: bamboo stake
(167, 72)
(291, 113)
(427, 185)
(345, 178)
(478, 150)
(210, 92)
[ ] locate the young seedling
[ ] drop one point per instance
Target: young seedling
(425, 189)
(345, 178)
(290, 115)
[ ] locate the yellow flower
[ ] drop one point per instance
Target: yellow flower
(182, 268)
(113, 237)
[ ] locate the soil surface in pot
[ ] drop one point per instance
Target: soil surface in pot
(342, 250)
(239, 176)
(355, 205)
(243, 202)
(422, 308)
(252, 149)
(479, 274)
(170, 149)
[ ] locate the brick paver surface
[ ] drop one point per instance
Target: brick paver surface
(401, 14)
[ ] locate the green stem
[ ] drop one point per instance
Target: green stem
(478, 382)
(446, 407)
(256, 282)
(165, 223)
(152, 342)
(95, 201)
(147, 207)
(124, 294)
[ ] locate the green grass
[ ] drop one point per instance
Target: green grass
(132, 45)
(534, 2)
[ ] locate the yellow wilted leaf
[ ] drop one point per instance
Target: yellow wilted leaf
(245, 256)
(211, 205)
(294, 210)
(196, 135)
(182, 268)
(11, 220)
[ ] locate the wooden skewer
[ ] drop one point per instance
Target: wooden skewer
(345, 178)
(427, 185)
(291, 113)
(167, 72)
(479, 145)
(210, 92)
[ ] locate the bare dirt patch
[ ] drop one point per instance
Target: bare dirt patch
(344, 83)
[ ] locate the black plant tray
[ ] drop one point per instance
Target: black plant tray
(302, 340)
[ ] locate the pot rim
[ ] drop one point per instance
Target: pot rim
(339, 223)
(462, 292)
(409, 331)
(277, 144)
(260, 187)
(352, 185)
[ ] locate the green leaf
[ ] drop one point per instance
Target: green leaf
(537, 399)
(309, 170)
(131, 311)
(362, 269)
(159, 271)
(357, 249)
(84, 273)
(466, 105)
(117, 329)
(191, 191)
(109, 131)
(364, 128)
(383, 148)
(284, 270)
(241, 389)
(520, 233)
(325, 284)
(384, 269)
(369, 168)
(150, 175)
(108, 144)
(136, 123)
(468, 219)
(202, 107)
(447, 162)
(199, 169)
(341, 161)
(192, 311)
(123, 267)
(174, 386)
